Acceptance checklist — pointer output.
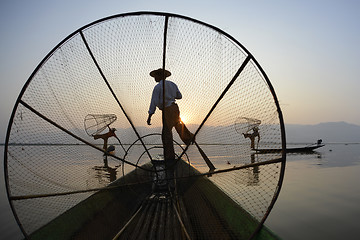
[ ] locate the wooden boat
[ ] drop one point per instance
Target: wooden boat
(290, 150)
(197, 209)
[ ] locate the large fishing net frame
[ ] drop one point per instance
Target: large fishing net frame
(52, 164)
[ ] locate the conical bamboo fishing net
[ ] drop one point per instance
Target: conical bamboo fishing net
(53, 165)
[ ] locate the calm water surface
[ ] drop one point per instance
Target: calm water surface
(320, 195)
(319, 198)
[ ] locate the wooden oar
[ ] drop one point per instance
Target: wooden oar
(206, 159)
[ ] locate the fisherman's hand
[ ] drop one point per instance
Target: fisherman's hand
(149, 120)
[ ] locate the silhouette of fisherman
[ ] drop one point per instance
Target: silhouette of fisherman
(171, 113)
(252, 136)
(105, 137)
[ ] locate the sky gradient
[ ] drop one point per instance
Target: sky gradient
(308, 49)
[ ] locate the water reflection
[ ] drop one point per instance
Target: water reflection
(105, 174)
(251, 176)
(313, 153)
(253, 173)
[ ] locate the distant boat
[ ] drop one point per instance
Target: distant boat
(290, 150)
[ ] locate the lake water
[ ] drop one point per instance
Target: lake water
(320, 195)
(319, 198)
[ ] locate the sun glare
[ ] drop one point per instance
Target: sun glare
(184, 119)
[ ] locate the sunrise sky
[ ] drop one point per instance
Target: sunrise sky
(309, 49)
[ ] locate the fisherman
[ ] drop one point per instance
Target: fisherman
(106, 136)
(171, 113)
(252, 136)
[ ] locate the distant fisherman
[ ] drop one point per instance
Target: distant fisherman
(106, 136)
(252, 136)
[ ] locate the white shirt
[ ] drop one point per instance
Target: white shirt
(171, 93)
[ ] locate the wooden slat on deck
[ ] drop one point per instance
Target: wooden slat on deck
(157, 219)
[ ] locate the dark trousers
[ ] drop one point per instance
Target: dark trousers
(172, 119)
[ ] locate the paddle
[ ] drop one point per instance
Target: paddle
(206, 159)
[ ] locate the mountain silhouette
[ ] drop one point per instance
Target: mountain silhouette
(329, 132)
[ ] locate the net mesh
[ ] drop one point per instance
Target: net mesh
(96, 123)
(49, 150)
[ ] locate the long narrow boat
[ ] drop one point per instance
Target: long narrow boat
(196, 209)
(290, 150)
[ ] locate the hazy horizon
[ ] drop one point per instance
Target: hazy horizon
(330, 132)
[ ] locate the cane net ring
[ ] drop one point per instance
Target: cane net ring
(78, 145)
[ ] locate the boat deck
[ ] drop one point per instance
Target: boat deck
(195, 209)
(158, 218)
